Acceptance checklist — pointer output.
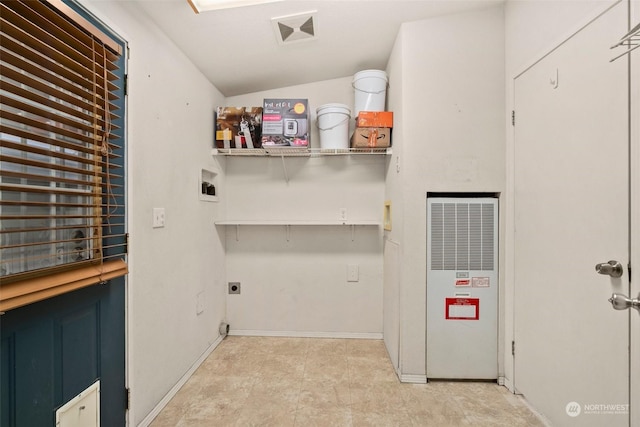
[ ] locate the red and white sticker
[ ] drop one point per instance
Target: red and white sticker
(463, 282)
(462, 308)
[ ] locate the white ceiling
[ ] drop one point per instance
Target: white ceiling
(238, 51)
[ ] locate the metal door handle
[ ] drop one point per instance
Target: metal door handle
(622, 302)
(612, 268)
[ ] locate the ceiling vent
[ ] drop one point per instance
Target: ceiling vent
(295, 28)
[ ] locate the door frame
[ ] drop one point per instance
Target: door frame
(634, 207)
(634, 164)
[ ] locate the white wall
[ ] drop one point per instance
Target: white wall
(532, 29)
(294, 282)
(452, 115)
(170, 132)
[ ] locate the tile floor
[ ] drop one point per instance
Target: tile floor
(265, 381)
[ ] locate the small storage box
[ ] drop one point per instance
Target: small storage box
(375, 119)
(285, 123)
(371, 138)
(238, 127)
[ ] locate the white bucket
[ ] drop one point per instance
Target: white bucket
(370, 90)
(333, 123)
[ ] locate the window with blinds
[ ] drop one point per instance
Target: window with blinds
(62, 186)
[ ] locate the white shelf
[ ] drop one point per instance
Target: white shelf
(296, 222)
(287, 224)
(298, 152)
(208, 198)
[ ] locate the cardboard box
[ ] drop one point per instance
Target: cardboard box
(285, 123)
(371, 138)
(374, 119)
(238, 127)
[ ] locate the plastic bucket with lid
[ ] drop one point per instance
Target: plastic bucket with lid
(370, 90)
(333, 123)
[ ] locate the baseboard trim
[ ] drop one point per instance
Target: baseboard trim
(167, 398)
(412, 378)
(304, 334)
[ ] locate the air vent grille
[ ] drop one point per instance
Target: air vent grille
(462, 236)
(295, 28)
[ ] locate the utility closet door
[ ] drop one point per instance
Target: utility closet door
(571, 213)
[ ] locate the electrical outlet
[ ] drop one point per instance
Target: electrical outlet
(158, 217)
(342, 214)
(234, 288)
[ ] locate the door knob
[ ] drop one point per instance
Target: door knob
(611, 268)
(622, 302)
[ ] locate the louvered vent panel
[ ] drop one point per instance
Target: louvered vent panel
(462, 236)
(475, 237)
(449, 237)
(488, 234)
(437, 235)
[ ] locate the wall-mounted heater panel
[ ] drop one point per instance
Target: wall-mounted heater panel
(462, 288)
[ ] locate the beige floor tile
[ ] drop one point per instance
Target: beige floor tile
(437, 420)
(269, 408)
(365, 369)
(288, 346)
(324, 395)
(426, 402)
(170, 415)
(327, 347)
(281, 366)
(282, 391)
(235, 346)
(265, 381)
(376, 397)
(366, 348)
(386, 418)
(314, 417)
(241, 365)
(323, 367)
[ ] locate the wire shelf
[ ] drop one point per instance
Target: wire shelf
(298, 152)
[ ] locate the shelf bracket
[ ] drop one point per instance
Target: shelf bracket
(237, 233)
(284, 169)
(288, 232)
(353, 232)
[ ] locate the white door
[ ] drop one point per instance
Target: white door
(571, 213)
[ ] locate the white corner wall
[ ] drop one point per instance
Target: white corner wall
(451, 110)
(394, 195)
(294, 279)
(170, 132)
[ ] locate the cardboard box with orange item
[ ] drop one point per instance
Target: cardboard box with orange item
(371, 138)
(375, 119)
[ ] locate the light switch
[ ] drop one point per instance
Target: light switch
(158, 217)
